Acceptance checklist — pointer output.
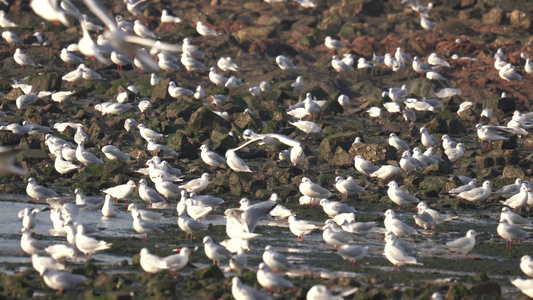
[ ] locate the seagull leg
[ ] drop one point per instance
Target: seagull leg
(457, 256)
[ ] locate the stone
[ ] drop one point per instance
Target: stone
(493, 17)
(512, 171)
(180, 109)
(44, 81)
(329, 145)
(520, 19)
(341, 158)
(375, 153)
(372, 8)
(160, 92)
(437, 125)
(507, 105)
(347, 32)
(179, 142)
(439, 169)
(457, 291)
(205, 120)
(467, 3)
(256, 33)
(487, 290)
(331, 24)
(246, 121)
(100, 131)
(241, 183)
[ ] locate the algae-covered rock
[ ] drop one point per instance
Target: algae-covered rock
(222, 141)
(329, 144)
(512, 171)
(160, 92)
(440, 168)
(44, 81)
(507, 105)
(209, 272)
(205, 120)
(375, 153)
(99, 130)
(457, 291)
(256, 33)
(179, 142)
(245, 120)
(487, 290)
(341, 158)
(241, 183)
(181, 109)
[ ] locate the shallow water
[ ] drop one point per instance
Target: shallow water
(312, 256)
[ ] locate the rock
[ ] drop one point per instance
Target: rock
(437, 125)
(439, 169)
(432, 186)
(205, 120)
(221, 140)
(331, 24)
(256, 33)
(180, 109)
(7, 138)
(455, 127)
(245, 183)
(375, 153)
(372, 8)
(341, 158)
(457, 291)
(513, 172)
(507, 105)
(487, 290)
(246, 121)
(347, 32)
(333, 106)
(100, 131)
(467, 3)
(209, 272)
(520, 19)
(493, 17)
(44, 81)
(179, 142)
(452, 3)
(452, 27)
(160, 92)
(329, 145)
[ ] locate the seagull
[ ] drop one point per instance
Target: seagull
(30, 245)
(447, 143)
(113, 153)
(28, 216)
(148, 194)
(142, 226)
(347, 186)
(421, 67)
(236, 163)
(510, 233)
(508, 73)
(120, 60)
(284, 63)
(437, 216)
(38, 192)
(526, 265)
(270, 280)
(121, 191)
(333, 44)
(11, 38)
(513, 218)
(189, 225)
(87, 202)
(23, 59)
(108, 209)
(364, 166)
(313, 190)
(197, 185)
(148, 134)
(434, 60)
(524, 285)
(212, 159)
(63, 166)
(226, 63)
(276, 261)
(427, 139)
(151, 263)
(241, 291)
(397, 226)
(59, 280)
(397, 142)
(238, 261)
(454, 154)
(86, 157)
(479, 194)
(300, 228)
(339, 65)
(88, 244)
(216, 78)
(518, 200)
(205, 30)
(40, 263)
(400, 196)
(386, 172)
(215, 252)
(61, 251)
(491, 133)
(352, 253)
(510, 189)
(167, 18)
(177, 262)
(334, 208)
(396, 255)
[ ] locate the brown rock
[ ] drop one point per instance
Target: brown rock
(493, 17)
(375, 153)
(467, 3)
(367, 7)
(520, 19)
(255, 33)
(513, 172)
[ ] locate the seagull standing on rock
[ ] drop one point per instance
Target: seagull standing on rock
(333, 44)
(313, 190)
(23, 59)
